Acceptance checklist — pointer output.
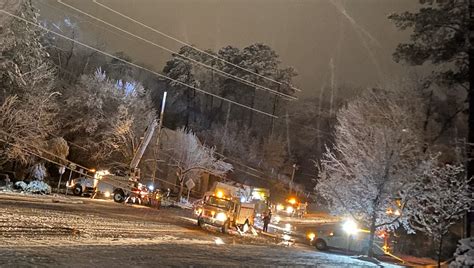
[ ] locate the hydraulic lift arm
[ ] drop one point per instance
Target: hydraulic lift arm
(142, 147)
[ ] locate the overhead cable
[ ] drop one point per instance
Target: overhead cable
(182, 57)
(189, 45)
(138, 66)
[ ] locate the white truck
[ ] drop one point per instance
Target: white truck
(119, 187)
(222, 207)
(123, 187)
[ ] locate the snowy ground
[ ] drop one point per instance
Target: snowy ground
(35, 233)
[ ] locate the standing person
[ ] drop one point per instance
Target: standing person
(266, 221)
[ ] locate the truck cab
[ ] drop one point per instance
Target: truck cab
(82, 185)
(223, 211)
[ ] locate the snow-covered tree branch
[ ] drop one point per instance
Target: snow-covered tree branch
(369, 172)
(191, 158)
(26, 88)
(443, 196)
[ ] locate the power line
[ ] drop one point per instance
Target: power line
(322, 132)
(41, 149)
(67, 166)
(45, 158)
(138, 66)
(240, 163)
(180, 56)
(189, 45)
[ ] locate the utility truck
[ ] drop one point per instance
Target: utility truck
(223, 207)
(120, 188)
(125, 187)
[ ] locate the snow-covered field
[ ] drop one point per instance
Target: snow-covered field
(100, 233)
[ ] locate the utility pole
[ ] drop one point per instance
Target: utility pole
(158, 135)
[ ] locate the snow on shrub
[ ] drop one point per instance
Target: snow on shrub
(38, 187)
(21, 185)
(464, 255)
(34, 187)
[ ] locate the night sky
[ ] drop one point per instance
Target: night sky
(307, 34)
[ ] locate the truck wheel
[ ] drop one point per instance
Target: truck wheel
(225, 227)
(77, 190)
(321, 245)
(119, 196)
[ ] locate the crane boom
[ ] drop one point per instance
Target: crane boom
(143, 144)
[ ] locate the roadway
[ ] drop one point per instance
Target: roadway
(36, 232)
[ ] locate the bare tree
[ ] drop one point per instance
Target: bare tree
(191, 158)
(378, 147)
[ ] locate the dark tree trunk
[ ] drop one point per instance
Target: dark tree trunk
(427, 120)
(195, 108)
(470, 138)
(210, 112)
(188, 109)
(225, 128)
(250, 111)
(221, 111)
(273, 113)
(181, 188)
(71, 52)
(180, 176)
(370, 252)
(440, 248)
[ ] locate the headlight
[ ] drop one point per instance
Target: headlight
(221, 216)
(350, 227)
(289, 209)
(198, 211)
(280, 207)
(311, 236)
(107, 194)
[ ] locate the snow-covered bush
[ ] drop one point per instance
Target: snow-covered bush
(34, 187)
(464, 255)
(21, 185)
(38, 187)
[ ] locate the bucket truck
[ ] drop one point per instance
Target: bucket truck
(119, 187)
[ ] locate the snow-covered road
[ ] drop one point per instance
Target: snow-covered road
(102, 234)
